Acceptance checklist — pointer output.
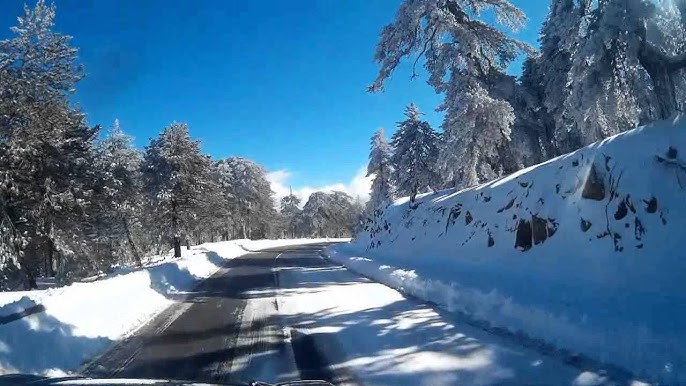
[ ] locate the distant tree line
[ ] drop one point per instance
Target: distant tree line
(604, 67)
(73, 204)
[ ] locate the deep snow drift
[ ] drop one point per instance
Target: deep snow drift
(83, 319)
(584, 251)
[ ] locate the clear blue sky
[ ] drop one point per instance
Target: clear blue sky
(280, 82)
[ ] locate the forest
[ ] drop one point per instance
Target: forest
(76, 200)
(603, 67)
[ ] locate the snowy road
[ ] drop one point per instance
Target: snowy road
(287, 313)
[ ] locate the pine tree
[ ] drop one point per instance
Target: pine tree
(175, 179)
(475, 128)
(333, 214)
(46, 148)
(627, 70)
(466, 59)
(414, 155)
(380, 166)
(559, 39)
(119, 190)
(290, 209)
(253, 204)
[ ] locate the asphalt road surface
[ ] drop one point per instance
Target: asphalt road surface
(287, 314)
(228, 330)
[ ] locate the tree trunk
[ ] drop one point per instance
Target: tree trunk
(175, 230)
(188, 244)
(30, 280)
(177, 246)
(134, 250)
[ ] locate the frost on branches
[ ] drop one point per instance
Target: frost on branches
(465, 58)
(604, 67)
(380, 166)
(414, 155)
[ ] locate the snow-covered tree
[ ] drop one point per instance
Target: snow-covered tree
(46, 148)
(559, 40)
(466, 59)
(176, 179)
(627, 70)
(476, 125)
(415, 149)
(119, 190)
(380, 167)
(252, 205)
(290, 210)
(333, 214)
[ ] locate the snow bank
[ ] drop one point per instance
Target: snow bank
(584, 251)
(83, 319)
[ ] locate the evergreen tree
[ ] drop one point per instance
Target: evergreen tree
(414, 155)
(46, 149)
(252, 202)
(380, 166)
(290, 209)
(119, 189)
(627, 70)
(175, 178)
(332, 214)
(466, 59)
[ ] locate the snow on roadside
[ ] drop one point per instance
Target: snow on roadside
(372, 333)
(83, 319)
(584, 251)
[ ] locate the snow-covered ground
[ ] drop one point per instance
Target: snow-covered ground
(584, 251)
(378, 337)
(83, 319)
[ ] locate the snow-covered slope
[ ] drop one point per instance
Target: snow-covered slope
(83, 319)
(585, 251)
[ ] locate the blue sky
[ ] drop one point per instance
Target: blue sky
(280, 82)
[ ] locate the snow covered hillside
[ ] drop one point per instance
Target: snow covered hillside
(584, 251)
(83, 319)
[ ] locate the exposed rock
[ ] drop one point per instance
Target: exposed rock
(639, 231)
(651, 205)
(508, 206)
(671, 153)
(539, 229)
(468, 218)
(594, 188)
(551, 226)
(523, 240)
(622, 211)
(585, 225)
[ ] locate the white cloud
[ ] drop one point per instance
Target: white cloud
(358, 187)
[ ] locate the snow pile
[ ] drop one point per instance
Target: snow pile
(584, 251)
(83, 319)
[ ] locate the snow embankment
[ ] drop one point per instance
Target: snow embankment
(83, 319)
(585, 251)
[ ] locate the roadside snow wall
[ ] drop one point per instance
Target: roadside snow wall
(585, 251)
